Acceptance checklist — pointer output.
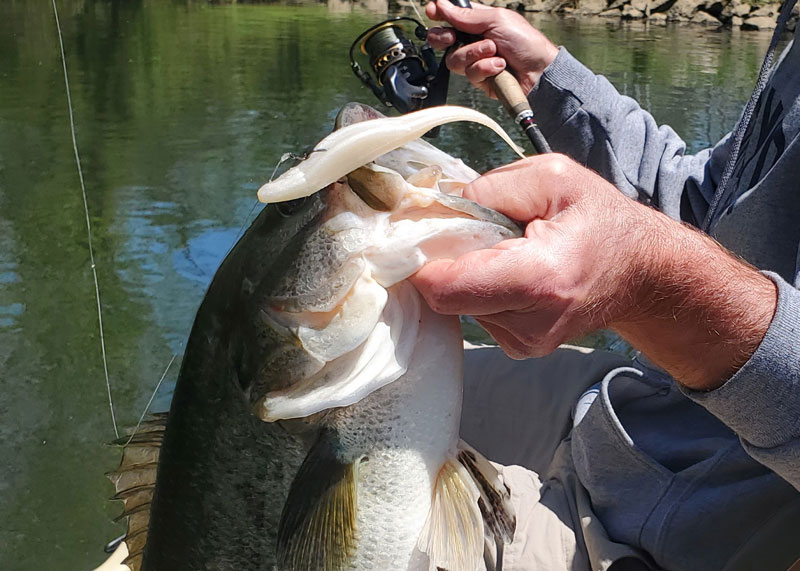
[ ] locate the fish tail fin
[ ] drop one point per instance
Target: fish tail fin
(470, 503)
(134, 481)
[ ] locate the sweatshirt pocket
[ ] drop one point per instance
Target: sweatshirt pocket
(624, 482)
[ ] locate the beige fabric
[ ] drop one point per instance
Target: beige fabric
(544, 538)
(520, 413)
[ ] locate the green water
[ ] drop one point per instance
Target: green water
(182, 110)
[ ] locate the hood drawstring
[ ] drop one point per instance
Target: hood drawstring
(722, 194)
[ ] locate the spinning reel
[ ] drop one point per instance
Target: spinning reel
(406, 77)
(409, 78)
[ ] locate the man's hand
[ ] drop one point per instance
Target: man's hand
(593, 258)
(508, 40)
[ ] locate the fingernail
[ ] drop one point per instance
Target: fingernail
(498, 64)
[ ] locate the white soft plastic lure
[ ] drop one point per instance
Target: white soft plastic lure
(357, 144)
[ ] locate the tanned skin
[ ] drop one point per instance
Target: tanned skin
(591, 257)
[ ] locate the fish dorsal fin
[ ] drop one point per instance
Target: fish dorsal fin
(134, 482)
(318, 523)
(470, 502)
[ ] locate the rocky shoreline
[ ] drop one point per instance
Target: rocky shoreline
(712, 13)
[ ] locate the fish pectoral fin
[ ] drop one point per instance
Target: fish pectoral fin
(318, 524)
(495, 501)
(453, 533)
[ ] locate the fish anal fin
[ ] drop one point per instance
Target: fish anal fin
(318, 524)
(453, 533)
(495, 497)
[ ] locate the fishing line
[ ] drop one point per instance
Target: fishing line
(416, 10)
(152, 396)
(284, 157)
(88, 224)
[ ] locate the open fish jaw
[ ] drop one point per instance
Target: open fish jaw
(309, 312)
(342, 299)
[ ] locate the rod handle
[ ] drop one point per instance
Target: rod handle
(509, 92)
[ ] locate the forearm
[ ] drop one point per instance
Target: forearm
(583, 116)
(697, 311)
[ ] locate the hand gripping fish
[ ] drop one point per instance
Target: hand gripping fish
(315, 420)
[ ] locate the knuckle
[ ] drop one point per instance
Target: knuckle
(455, 61)
(557, 165)
(474, 74)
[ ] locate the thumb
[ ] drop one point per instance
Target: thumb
(474, 20)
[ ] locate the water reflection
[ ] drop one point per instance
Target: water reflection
(182, 112)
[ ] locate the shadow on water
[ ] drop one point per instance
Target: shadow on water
(182, 111)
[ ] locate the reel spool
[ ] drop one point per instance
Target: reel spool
(404, 76)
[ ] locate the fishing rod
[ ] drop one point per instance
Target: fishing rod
(514, 100)
(409, 78)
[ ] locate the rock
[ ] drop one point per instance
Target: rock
(591, 6)
(683, 10)
(767, 11)
(535, 6)
(641, 5)
(631, 13)
(733, 8)
(705, 19)
(740, 9)
(609, 14)
(617, 4)
(546, 5)
(736, 21)
(659, 19)
(759, 23)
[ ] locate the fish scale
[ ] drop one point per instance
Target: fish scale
(312, 428)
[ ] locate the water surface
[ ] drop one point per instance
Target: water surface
(182, 110)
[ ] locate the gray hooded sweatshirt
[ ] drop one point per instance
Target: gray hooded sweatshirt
(685, 488)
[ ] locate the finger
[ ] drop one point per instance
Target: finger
(479, 72)
(477, 283)
(467, 55)
(441, 38)
(511, 189)
(531, 188)
(535, 328)
(475, 20)
(510, 345)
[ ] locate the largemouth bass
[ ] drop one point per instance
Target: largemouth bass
(314, 425)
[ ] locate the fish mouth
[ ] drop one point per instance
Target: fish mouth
(339, 306)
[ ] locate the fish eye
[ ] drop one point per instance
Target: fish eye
(290, 207)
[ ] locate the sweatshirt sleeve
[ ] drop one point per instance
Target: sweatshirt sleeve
(582, 115)
(761, 402)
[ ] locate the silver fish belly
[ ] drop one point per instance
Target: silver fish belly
(315, 421)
